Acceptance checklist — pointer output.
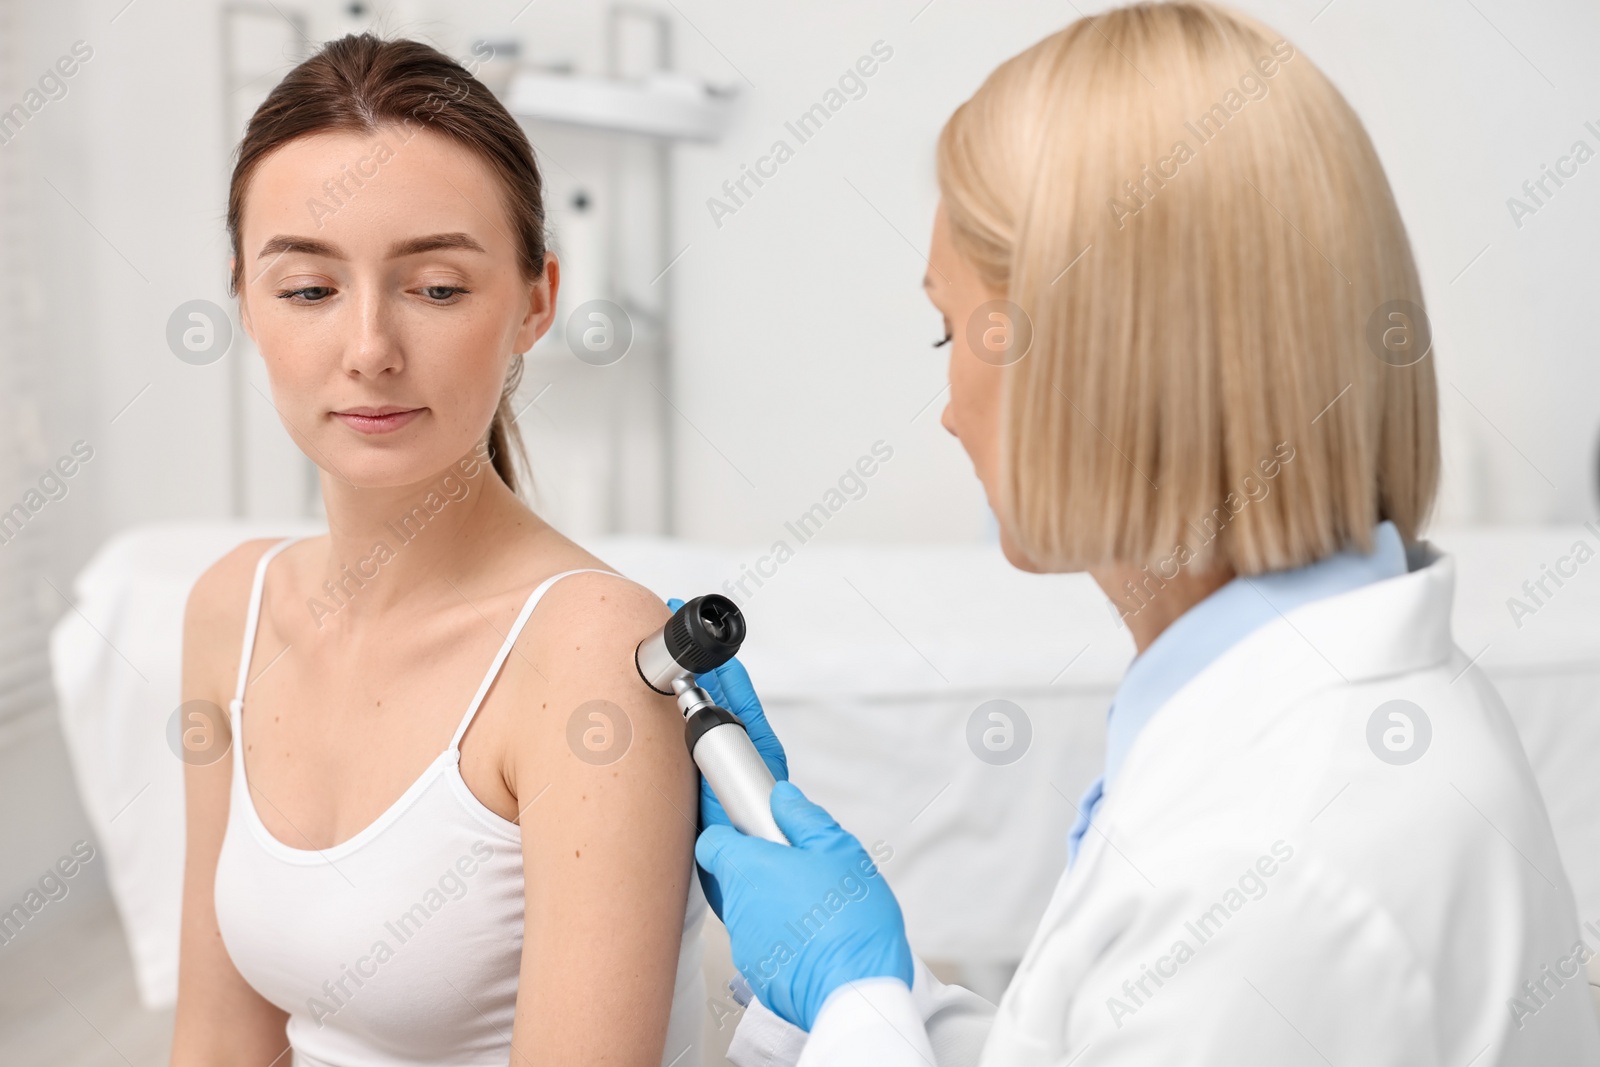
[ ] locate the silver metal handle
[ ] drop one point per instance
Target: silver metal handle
(740, 778)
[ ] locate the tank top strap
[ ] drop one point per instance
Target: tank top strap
(510, 642)
(253, 619)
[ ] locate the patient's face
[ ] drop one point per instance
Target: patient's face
(346, 320)
(972, 413)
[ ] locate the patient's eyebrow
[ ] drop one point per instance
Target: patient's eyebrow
(434, 242)
(311, 246)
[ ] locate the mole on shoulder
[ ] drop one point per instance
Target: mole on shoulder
(574, 853)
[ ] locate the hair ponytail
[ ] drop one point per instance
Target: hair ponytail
(505, 437)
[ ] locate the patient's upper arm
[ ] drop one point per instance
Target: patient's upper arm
(221, 1019)
(608, 844)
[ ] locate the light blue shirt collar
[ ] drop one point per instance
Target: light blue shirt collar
(1196, 638)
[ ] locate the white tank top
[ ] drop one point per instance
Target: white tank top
(401, 945)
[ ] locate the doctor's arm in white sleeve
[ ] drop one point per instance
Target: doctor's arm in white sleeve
(870, 1021)
(956, 1021)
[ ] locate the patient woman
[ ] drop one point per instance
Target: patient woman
(453, 828)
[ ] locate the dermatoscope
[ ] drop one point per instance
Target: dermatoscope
(701, 636)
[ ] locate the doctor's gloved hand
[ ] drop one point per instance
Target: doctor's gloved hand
(806, 919)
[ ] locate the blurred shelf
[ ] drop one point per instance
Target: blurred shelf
(664, 105)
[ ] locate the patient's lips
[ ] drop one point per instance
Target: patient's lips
(384, 419)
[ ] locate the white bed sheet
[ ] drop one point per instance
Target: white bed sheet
(871, 660)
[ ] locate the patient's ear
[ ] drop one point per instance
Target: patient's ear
(541, 312)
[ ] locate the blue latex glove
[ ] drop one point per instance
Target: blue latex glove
(729, 685)
(804, 920)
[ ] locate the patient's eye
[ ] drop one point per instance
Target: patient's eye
(947, 336)
(305, 292)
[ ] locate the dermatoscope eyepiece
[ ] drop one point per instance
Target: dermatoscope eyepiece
(701, 636)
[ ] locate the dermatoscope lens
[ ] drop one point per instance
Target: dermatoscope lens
(705, 633)
(716, 621)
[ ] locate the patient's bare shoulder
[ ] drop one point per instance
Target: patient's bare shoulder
(577, 649)
(598, 603)
(585, 630)
(587, 621)
(214, 620)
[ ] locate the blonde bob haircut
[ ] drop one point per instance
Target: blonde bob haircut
(1229, 360)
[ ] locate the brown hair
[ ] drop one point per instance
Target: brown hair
(1221, 321)
(361, 83)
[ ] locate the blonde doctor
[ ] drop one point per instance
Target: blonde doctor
(1172, 272)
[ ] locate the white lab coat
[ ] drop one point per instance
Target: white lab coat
(1261, 888)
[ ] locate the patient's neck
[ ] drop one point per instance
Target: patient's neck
(402, 543)
(1158, 604)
